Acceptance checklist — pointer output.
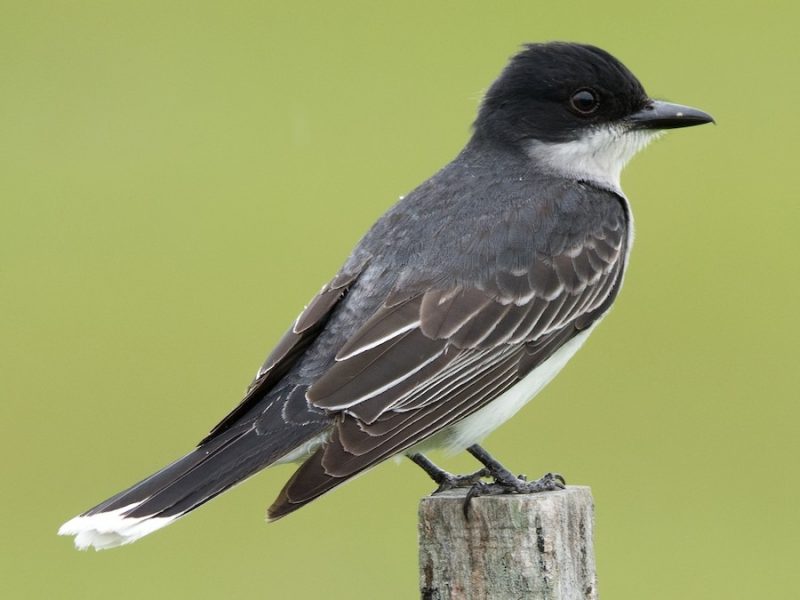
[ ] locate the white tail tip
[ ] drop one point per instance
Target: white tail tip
(111, 529)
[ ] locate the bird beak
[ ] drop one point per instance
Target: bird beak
(665, 115)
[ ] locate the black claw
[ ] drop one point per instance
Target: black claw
(450, 482)
(477, 489)
(550, 482)
(505, 482)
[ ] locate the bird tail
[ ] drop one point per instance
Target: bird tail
(175, 490)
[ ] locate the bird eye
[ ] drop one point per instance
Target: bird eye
(584, 101)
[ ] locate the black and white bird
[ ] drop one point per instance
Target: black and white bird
(465, 299)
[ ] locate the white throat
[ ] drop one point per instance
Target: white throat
(598, 156)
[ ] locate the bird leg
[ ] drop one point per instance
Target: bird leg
(505, 482)
(447, 481)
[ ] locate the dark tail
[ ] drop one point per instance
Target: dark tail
(175, 490)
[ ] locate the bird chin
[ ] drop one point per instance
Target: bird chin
(598, 155)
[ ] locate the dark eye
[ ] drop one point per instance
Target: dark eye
(584, 101)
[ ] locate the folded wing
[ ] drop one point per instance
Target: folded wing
(435, 356)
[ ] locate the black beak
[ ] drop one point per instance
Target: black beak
(665, 115)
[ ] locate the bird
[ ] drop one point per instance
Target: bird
(453, 311)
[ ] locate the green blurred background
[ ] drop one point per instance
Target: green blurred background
(162, 165)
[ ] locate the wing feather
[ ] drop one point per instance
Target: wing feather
(375, 371)
(427, 359)
(443, 313)
(290, 347)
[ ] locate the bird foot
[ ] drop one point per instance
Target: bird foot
(448, 481)
(508, 484)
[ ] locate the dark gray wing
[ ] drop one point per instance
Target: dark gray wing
(429, 358)
(292, 345)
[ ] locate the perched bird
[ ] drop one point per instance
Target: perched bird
(453, 311)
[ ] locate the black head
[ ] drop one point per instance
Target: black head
(554, 92)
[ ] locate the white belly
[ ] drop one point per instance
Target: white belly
(481, 423)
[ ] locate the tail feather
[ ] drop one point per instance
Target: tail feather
(163, 478)
(175, 490)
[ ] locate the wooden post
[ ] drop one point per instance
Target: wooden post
(532, 546)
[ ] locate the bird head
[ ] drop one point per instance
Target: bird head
(576, 109)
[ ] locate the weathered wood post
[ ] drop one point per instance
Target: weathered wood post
(532, 546)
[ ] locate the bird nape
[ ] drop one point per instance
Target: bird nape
(459, 304)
